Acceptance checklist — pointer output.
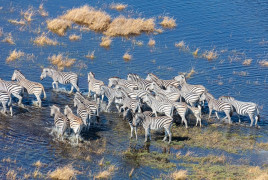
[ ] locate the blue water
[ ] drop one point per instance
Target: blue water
(237, 30)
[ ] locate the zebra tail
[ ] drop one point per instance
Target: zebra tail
(45, 96)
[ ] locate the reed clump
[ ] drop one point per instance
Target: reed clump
(91, 55)
(118, 6)
(105, 41)
(96, 20)
(42, 11)
(179, 175)
(74, 37)
(151, 42)
(247, 62)
(60, 61)
(37, 174)
(107, 173)
(38, 164)
(11, 175)
(28, 14)
(16, 22)
(9, 39)
(44, 40)
(190, 73)
(65, 173)
(59, 26)
(168, 22)
(195, 53)
(14, 55)
(180, 44)
(127, 56)
(210, 55)
(131, 172)
(264, 63)
(122, 26)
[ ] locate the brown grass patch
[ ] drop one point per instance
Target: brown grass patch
(91, 55)
(9, 39)
(11, 174)
(151, 42)
(44, 40)
(159, 30)
(180, 44)
(28, 14)
(14, 55)
(122, 26)
(168, 22)
(105, 42)
(96, 20)
(101, 162)
(8, 160)
(37, 174)
(41, 10)
(60, 61)
(26, 176)
(247, 62)
(190, 73)
(264, 63)
(59, 26)
(263, 146)
(118, 6)
(210, 55)
(74, 37)
(138, 43)
(131, 172)
(16, 22)
(107, 173)
(127, 57)
(65, 173)
(195, 53)
(179, 175)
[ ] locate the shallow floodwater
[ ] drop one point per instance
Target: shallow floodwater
(237, 30)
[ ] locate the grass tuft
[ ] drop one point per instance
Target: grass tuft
(127, 57)
(91, 55)
(247, 62)
(179, 175)
(180, 44)
(44, 40)
(9, 39)
(26, 176)
(11, 175)
(60, 61)
(131, 172)
(190, 73)
(14, 55)
(59, 26)
(41, 10)
(168, 22)
(16, 22)
(151, 42)
(210, 55)
(101, 162)
(38, 164)
(107, 173)
(264, 63)
(105, 42)
(74, 37)
(28, 14)
(37, 174)
(118, 6)
(195, 53)
(65, 173)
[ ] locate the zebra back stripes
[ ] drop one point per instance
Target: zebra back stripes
(113, 81)
(160, 82)
(91, 105)
(142, 83)
(12, 87)
(94, 85)
(6, 100)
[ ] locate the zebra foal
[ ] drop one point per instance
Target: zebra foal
(61, 77)
(31, 87)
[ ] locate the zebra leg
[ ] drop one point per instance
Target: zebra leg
(71, 91)
(185, 121)
(108, 106)
(76, 87)
(4, 107)
(251, 119)
(11, 110)
(39, 100)
(239, 118)
(165, 138)
(217, 115)
(210, 111)
(20, 99)
(169, 135)
(146, 135)
(135, 129)
(256, 119)
(131, 130)
(53, 84)
(228, 116)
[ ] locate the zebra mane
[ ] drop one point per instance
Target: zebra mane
(115, 77)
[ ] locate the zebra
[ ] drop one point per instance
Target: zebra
(5, 99)
(61, 122)
(83, 112)
(173, 96)
(113, 81)
(162, 83)
(217, 105)
(243, 108)
(154, 123)
(111, 94)
(128, 115)
(61, 77)
(12, 87)
(126, 102)
(94, 85)
(142, 83)
(158, 106)
(76, 123)
(31, 87)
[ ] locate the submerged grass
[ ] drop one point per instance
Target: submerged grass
(65, 173)
(195, 53)
(127, 56)
(59, 26)
(107, 173)
(151, 42)
(168, 22)
(105, 41)
(210, 55)
(74, 37)
(44, 40)
(9, 39)
(41, 10)
(118, 6)
(247, 62)
(13, 55)
(264, 63)
(28, 14)
(180, 44)
(91, 55)
(11, 175)
(16, 22)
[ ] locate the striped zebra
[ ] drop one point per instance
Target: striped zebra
(142, 83)
(61, 122)
(83, 112)
(159, 106)
(154, 123)
(6, 100)
(111, 94)
(126, 102)
(76, 123)
(94, 85)
(162, 83)
(113, 81)
(243, 108)
(198, 89)
(12, 87)
(91, 105)
(172, 96)
(128, 115)
(217, 105)
(31, 87)
(61, 77)
(135, 94)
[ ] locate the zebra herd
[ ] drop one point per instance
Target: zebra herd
(151, 102)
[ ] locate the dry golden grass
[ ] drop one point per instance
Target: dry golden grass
(190, 73)
(180, 44)
(96, 20)
(210, 55)
(26, 176)
(14, 55)
(247, 62)
(74, 37)
(168, 22)
(60, 61)
(179, 175)
(263, 146)
(44, 40)
(195, 53)
(105, 41)
(151, 42)
(59, 26)
(131, 172)
(101, 162)
(21, 22)
(122, 26)
(11, 175)
(37, 174)
(7, 160)
(9, 39)
(107, 173)
(65, 173)
(263, 176)
(127, 56)
(28, 14)
(118, 6)
(88, 158)
(159, 30)
(41, 10)
(91, 55)
(38, 164)
(264, 63)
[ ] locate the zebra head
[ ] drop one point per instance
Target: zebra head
(128, 114)
(67, 110)
(113, 81)
(76, 102)
(103, 89)
(17, 75)
(138, 118)
(90, 76)
(45, 72)
(54, 109)
(180, 78)
(133, 77)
